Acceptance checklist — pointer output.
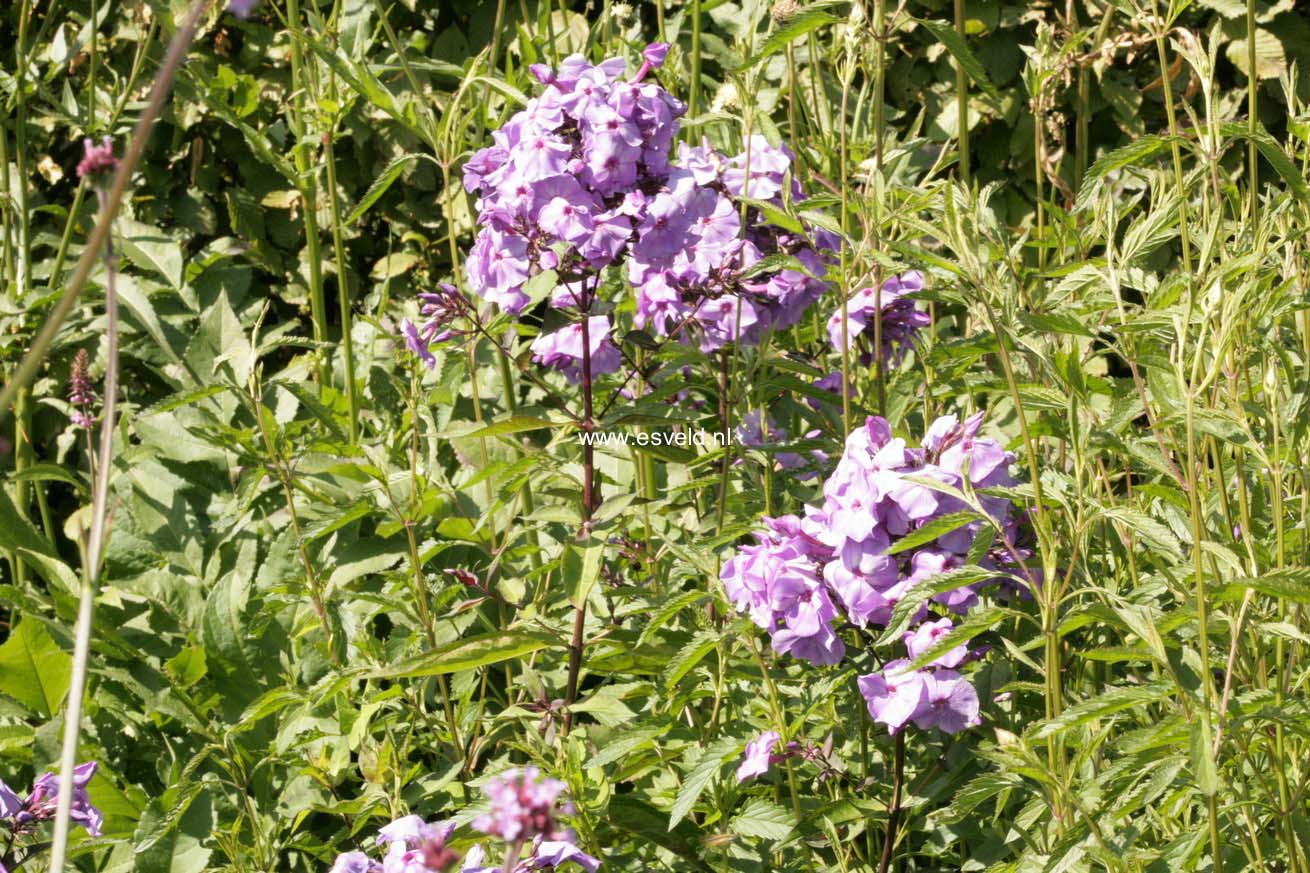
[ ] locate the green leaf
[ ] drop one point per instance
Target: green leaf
(33, 669)
(16, 532)
(1292, 584)
(1154, 533)
(1109, 702)
(931, 531)
(606, 704)
(959, 49)
(765, 819)
(639, 819)
(773, 264)
(796, 27)
(225, 626)
(689, 656)
(512, 425)
(394, 264)
(390, 173)
(151, 249)
(1135, 152)
(704, 771)
(1272, 152)
(468, 653)
(1203, 765)
(1270, 57)
(923, 591)
(173, 831)
(588, 572)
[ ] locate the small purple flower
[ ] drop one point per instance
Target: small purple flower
(900, 316)
(924, 637)
(950, 703)
(10, 803)
(416, 344)
(523, 804)
(98, 161)
(241, 8)
(562, 349)
(759, 752)
(355, 862)
(895, 695)
(655, 53)
(40, 804)
(554, 853)
(81, 394)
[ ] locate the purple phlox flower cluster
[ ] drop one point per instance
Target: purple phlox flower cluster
(756, 429)
(439, 309)
(81, 394)
(561, 186)
(98, 159)
(805, 575)
(940, 698)
(900, 316)
(24, 814)
(562, 349)
(523, 813)
(522, 804)
(694, 261)
(581, 181)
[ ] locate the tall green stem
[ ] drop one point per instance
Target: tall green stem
(962, 101)
(343, 293)
(1180, 180)
(308, 188)
(93, 556)
(1252, 113)
(693, 97)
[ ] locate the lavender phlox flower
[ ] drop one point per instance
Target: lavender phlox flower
(562, 349)
(523, 804)
(439, 309)
(925, 636)
(10, 802)
(355, 862)
(652, 59)
(894, 695)
(900, 316)
(242, 8)
(758, 755)
(807, 575)
(950, 703)
(549, 854)
(41, 803)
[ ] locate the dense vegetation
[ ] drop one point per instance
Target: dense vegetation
(655, 435)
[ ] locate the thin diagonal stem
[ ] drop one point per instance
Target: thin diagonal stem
(109, 207)
(90, 570)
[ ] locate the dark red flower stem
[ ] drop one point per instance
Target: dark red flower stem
(893, 811)
(588, 506)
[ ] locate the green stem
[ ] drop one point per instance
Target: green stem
(308, 188)
(1252, 113)
(99, 236)
(693, 98)
(343, 292)
(962, 102)
(1180, 181)
(93, 558)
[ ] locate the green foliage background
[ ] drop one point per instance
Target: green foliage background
(282, 661)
